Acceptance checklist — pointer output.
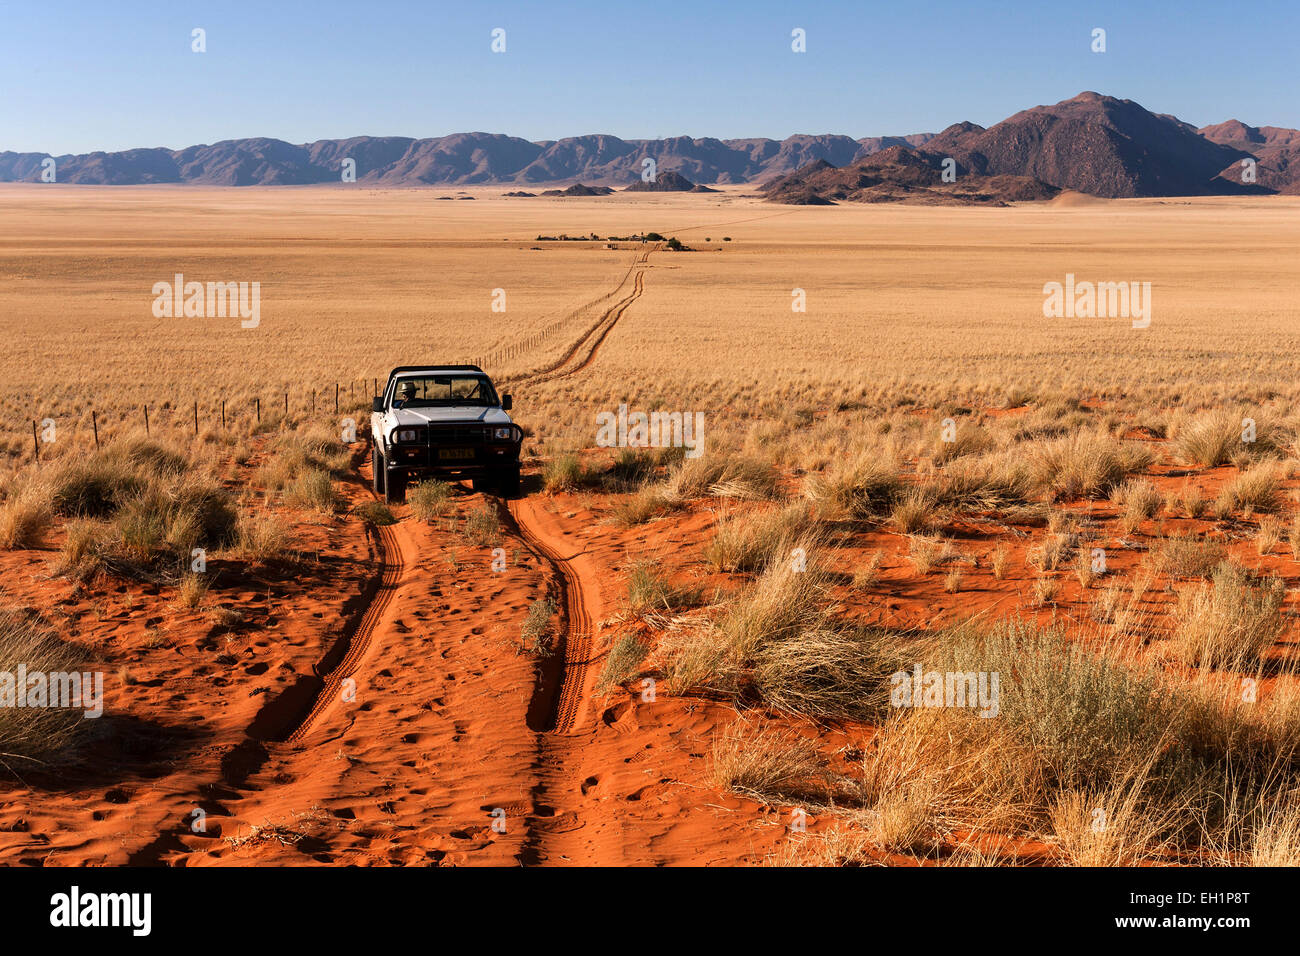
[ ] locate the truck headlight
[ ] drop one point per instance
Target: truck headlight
(407, 435)
(503, 434)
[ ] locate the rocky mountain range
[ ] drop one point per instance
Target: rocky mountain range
(460, 159)
(1091, 143)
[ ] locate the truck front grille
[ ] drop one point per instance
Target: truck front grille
(458, 435)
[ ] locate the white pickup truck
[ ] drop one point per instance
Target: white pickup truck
(447, 422)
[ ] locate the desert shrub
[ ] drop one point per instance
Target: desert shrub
(868, 573)
(646, 504)
(313, 489)
(982, 484)
(294, 454)
(1078, 727)
(623, 663)
(157, 529)
(781, 603)
(748, 542)
(1053, 551)
(1078, 714)
(697, 660)
(25, 515)
(866, 487)
(1269, 534)
(1137, 500)
(1258, 489)
(1192, 501)
(375, 513)
(768, 763)
(927, 553)
(1274, 837)
(1133, 830)
(1086, 464)
(259, 537)
(1044, 591)
(537, 625)
(482, 527)
(85, 543)
(775, 639)
(917, 510)
(650, 591)
(925, 774)
(731, 476)
(825, 672)
(998, 562)
(968, 439)
(633, 467)
(31, 735)
(564, 473)
(95, 487)
(97, 484)
(429, 499)
(1186, 556)
(1217, 438)
(191, 591)
(1229, 622)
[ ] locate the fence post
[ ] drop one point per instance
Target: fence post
(336, 398)
(196, 419)
(257, 402)
(36, 445)
(94, 425)
(223, 414)
(146, 420)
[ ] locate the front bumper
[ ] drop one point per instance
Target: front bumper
(454, 452)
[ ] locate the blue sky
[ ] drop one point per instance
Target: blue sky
(78, 76)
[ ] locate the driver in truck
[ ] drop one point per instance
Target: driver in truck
(405, 392)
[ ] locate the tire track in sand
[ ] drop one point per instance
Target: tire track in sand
(289, 717)
(557, 823)
(389, 555)
(574, 580)
(583, 351)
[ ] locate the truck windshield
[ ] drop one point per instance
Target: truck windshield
(420, 391)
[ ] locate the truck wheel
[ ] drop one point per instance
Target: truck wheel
(508, 482)
(395, 488)
(377, 470)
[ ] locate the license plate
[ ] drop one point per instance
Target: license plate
(455, 454)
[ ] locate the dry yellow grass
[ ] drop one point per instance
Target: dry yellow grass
(898, 300)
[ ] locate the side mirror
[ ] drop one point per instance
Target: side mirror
(377, 404)
(507, 402)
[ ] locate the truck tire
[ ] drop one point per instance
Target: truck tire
(508, 482)
(377, 470)
(395, 488)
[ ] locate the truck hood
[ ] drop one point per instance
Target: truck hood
(448, 415)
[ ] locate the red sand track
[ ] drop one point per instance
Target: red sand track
(235, 745)
(582, 352)
(389, 556)
(538, 530)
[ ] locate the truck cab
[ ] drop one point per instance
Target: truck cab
(445, 422)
